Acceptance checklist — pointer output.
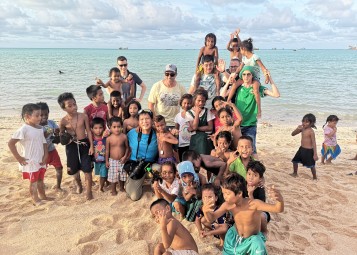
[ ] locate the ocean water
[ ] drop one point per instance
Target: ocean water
(322, 82)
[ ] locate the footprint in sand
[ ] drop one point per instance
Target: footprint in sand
(88, 248)
(322, 222)
(299, 241)
(103, 221)
(94, 236)
(323, 240)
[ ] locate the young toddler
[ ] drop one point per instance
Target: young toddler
(307, 154)
(330, 146)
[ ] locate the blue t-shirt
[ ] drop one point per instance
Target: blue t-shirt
(49, 130)
(152, 151)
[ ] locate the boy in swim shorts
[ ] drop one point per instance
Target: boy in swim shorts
(176, 239)
(80, 145)
(245, 236)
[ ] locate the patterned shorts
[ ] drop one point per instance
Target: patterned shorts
(116, 171)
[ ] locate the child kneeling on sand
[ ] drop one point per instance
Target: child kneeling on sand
(176, 239)
(245, 236)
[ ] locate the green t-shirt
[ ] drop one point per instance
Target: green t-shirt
(238, 167)
(245, 101)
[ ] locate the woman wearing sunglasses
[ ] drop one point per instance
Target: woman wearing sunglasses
(143, 144)
(165, 96)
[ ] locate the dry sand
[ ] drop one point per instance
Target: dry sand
(320, 216)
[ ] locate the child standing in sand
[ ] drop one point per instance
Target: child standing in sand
(307, 154)
(116, 154)
(76, 135)
(51, 130)
(131, 116)
(34, 147)
(245, 237)
(330, 146)
(165, 140)
(97, 107)
(99, 143)
(176, 239)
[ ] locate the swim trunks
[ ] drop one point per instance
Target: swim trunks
(182, 252)
(34, 176)
(163, 160)
(53, 159)
(116, 171)
(237, 245)
(305, 157)
(100, 169)
(77, 157)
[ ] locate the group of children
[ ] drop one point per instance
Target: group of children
(228, 202)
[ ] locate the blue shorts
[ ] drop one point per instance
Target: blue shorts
(252, 132)
(100, 169)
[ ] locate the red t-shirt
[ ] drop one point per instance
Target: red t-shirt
(100, 112)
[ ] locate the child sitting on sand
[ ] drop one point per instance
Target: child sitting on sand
(307, 154)
(76, 135)
(220, 226)
(330, 146)
(34, 151)
(176, 239)
(165, 140)
(131, 116)
(51, 131)
(99, 144)
(245, 236)
(189, 199)
(239, 159)
(170, 185)
(116, 154)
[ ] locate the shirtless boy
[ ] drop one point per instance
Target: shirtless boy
(165, 140)
(176, 239)
(307, 154)
(245, 236)
(80, 146)
(116, 154)
(114, 84)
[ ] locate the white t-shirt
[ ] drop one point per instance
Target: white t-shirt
(174, 188)
(184, 134)
(31, 141)
(166, 100)
(253, 62)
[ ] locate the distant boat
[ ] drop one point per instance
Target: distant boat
(255, 48)
(123, 48)
(273, 48)
(352, 47)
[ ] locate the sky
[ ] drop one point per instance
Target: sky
(183, 24)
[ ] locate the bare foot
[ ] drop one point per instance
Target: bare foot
(102, 190)
(293, 175)
(38, 203)
(322, 162)
(355, 158)
(328, 162)
(89, 195)
(59, 189)
(121, 189)
(114, 193)
(79, 189)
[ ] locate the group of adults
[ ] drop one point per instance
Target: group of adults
(164, 100)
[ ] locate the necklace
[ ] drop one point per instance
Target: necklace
(161, 147)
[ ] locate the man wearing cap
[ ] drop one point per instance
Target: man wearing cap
(165, 95)
(130, 80)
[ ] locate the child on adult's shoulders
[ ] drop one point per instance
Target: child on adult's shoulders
(176, 239)
(165, 140)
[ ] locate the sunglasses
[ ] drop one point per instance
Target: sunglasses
(123, 65)
(246, 74)
(145, 111)
(170, 74)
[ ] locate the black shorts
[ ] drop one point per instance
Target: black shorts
(78, 158)
(305, 157)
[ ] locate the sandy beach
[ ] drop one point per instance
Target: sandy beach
(320, 217)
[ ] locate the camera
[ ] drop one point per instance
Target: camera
(139, 170)
(155, 175)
